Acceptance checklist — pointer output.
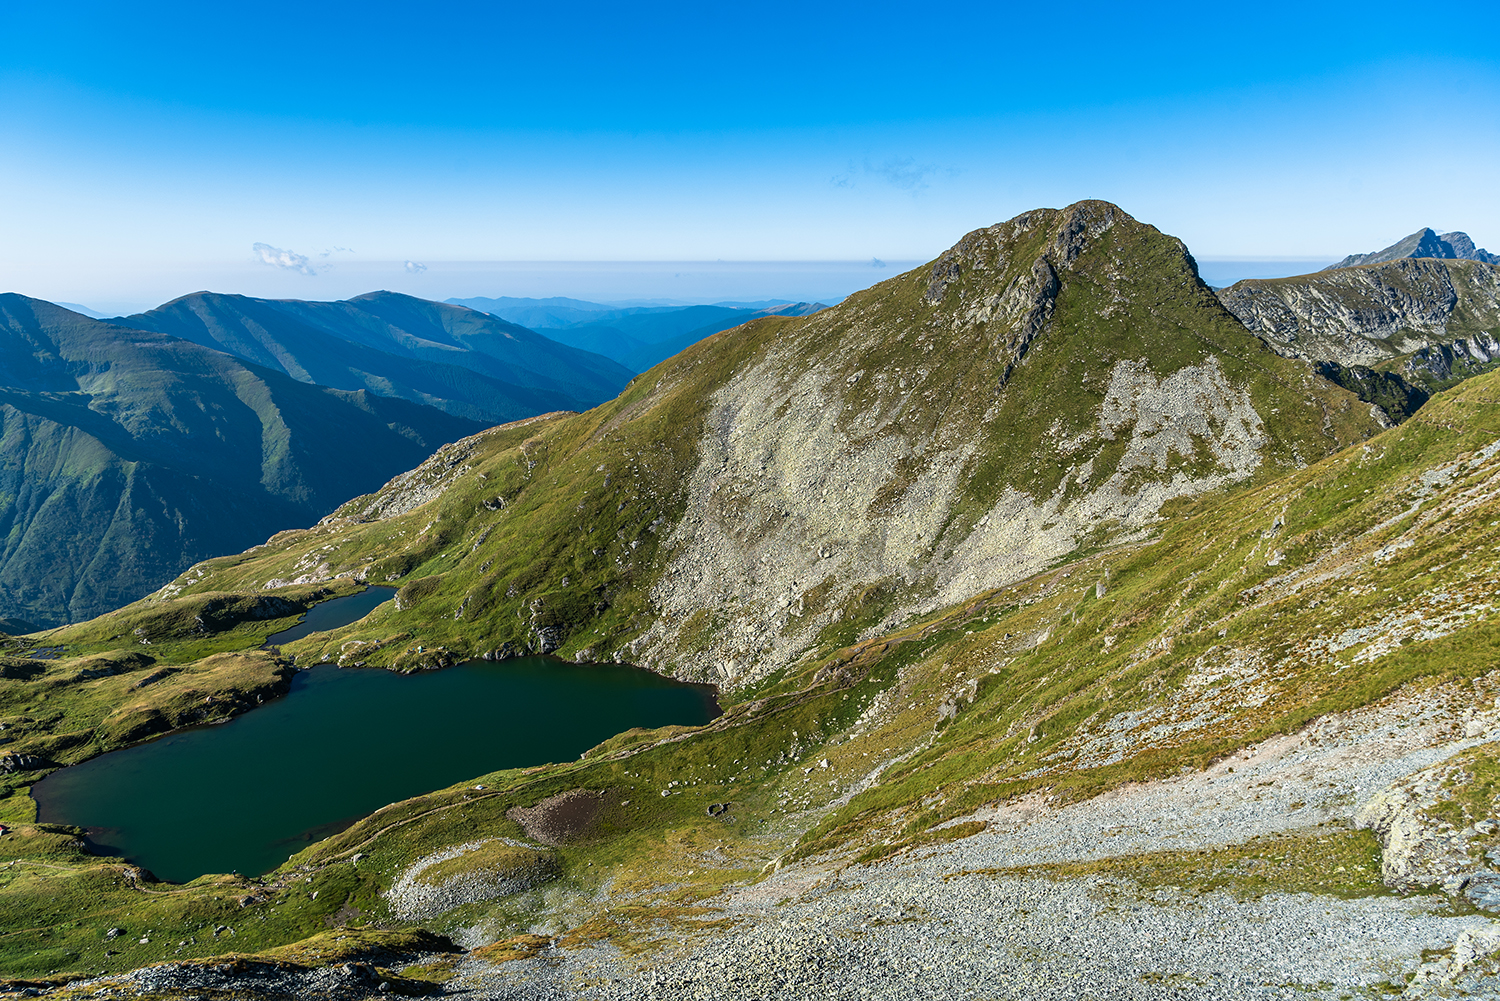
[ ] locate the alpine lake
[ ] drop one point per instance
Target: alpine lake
(244, 795)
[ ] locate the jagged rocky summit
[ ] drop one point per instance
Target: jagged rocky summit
(1423, 243)
(1394, 332)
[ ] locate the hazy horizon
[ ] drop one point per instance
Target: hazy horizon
(151, 151)
(612, 283)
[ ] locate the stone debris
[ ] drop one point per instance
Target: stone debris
(413, 898)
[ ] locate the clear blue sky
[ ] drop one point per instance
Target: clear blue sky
(149, 146)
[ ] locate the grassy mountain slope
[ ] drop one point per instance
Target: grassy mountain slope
(465, 362)
(1250, 612)
(1041, 515)
(126, 456)
(795, 483)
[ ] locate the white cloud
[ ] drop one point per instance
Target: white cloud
(278, 258)
(414, 267)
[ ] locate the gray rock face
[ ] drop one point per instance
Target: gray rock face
(1419, 848)
(828, 485)
(1443, 315)
(1416, 851)
(20, 763)
(1423, 243)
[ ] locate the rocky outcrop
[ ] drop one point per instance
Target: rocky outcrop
(469, 873)
(1416, 851)
(1428, 321)
(1423, 243)
(1437, 826)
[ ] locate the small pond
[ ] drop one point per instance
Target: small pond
(334, 613)
(244, 795)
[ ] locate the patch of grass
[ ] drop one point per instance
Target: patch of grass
(636, 929)
(1336, 863)
(511, 949)
(348, 945)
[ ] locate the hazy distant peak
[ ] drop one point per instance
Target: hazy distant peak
(91, 313)
(1423, 243)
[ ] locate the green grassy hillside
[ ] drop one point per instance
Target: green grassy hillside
(1041, 517)
(126, 456)
(789, 485)
(464, 362)
(1131, 663)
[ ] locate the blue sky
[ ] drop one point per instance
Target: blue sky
(148, 147)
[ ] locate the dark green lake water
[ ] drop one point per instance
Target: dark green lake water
(332, 614)
(244, 795)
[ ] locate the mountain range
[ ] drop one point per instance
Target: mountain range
(1395, 332)
(1423, 243)
(127, 455)
(468, 363)
(636, 337)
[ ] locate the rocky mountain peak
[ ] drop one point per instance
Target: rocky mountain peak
(1425, 242)
(1049, 382)
(1067, 232)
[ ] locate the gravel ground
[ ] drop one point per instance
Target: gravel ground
(906, 932)
(911, 928)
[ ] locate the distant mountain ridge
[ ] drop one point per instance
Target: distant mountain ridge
(637, 337)
(127, 455)
(1393, 332)
(1424, 242)
(463, 361)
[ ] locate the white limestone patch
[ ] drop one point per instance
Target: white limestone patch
(413, 897)
(799, 502)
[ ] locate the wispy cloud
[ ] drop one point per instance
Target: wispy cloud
(414, 268)
(278, 258)
(335, 250)
(904, 173)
